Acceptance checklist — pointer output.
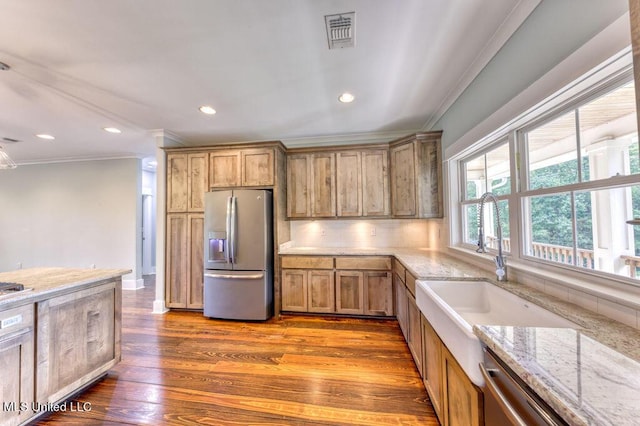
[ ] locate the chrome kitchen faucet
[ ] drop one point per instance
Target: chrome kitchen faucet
(501, 261)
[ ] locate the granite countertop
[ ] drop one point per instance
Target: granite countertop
(590, 375)
(40, 282)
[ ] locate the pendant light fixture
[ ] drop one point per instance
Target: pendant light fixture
(5, 161)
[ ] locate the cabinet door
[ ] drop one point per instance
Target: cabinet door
(298, 194)
(177, 258)
(17, 365)
(403, 180)
(378, 293)
(321, 296)
(224, 169)
(401, 305)
(462, 399)
(294, 290)
(349, 292)
(349, 183)
(76, 337)
(198, 180)
(430, 178)
(195, 283)
(323, 185)
(432, 366)
(177, 183)
(257, 167)
(375, 183)
(415, 332)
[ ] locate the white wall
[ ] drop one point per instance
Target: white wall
(553, 31)
(75, 214)
(358, 233)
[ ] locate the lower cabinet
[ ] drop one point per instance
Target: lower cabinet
(347, 285)
(415, 331)
(78, 337)
(455, 399)
(17, 388)
(401, 305)
(185, 261)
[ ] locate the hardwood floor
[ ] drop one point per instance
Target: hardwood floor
(182, 368)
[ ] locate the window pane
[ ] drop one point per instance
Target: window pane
(498, 170)
(490, 227)
(612, 240)
(608, 131)
(476, 178)
(550, 228)
(488, 172)
(552, 153)
(584, 230)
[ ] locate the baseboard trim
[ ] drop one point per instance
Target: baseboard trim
(133, 284)
(159, 307)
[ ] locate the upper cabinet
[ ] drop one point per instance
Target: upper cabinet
(187, 181)
(338, 183)
(416, 176)
(311, 185)
(242, 168)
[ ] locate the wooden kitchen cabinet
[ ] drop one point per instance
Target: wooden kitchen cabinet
(402, 302)
(311, 185)
(338, 183)
(378, 293)
(432, 366)
(78, 336)
(463, 403)
(321, 292)
(224, 168)
(187, 181)
(258, 167)
(295, 290)
(323, 185)
(349, 183)
(375, 183)
(350, 292)
(416, 176)
(184, 276)
(17, 363)
(298, 191)
(351, 285)
(414, 339)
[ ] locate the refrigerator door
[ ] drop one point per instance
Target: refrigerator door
(217, 230)
(238, 295)
(251, 241)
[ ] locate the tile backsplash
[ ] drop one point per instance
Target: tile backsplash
(424, 233)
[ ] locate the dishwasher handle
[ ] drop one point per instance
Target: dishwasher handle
(502, 401)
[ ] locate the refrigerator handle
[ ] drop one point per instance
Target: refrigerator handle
(233, 230)
(227, 251)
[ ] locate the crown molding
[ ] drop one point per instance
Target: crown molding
(346, 139)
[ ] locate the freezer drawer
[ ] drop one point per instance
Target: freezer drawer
(240, 295)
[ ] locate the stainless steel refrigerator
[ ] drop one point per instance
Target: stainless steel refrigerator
(238, 254)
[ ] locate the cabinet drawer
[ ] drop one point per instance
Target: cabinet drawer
(364, 262)
(411, 284)
(306, 262)
(16, 319)
(399, 270)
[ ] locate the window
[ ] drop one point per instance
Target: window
(488, 172)
(576, 206)
(575, 185)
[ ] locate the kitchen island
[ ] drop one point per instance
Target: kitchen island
(580, 373)
(57, 336)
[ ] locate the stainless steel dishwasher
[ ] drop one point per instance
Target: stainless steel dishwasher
(509, 401)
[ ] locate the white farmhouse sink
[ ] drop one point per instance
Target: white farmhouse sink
(452, 307)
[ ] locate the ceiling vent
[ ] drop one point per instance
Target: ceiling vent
(341, 30)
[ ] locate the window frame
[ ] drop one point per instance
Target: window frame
(519, 171)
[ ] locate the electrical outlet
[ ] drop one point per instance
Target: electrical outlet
(19, 265)
(373, 231)
(322, 232)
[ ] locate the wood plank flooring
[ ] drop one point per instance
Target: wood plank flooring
(182, 368)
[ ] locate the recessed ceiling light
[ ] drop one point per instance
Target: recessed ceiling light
(346, 97)
(206, 109)
(45, 136)
(111, 130)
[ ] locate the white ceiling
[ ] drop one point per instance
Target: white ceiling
(80, 65)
